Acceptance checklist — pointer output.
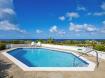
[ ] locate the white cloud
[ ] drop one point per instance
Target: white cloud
(103, 22)
(7, 26)
(103, 5)
(82, 27)
(38, 31)
(69, 15)
(62, 18)
(6, 3)
(61, 32)
(102, 13)
(72, 15)
(89, 13)
(99, 13)
(8, 11)
(6, 8)
(81, 8)
(53, 29)
(89, 28)
(74, 27)
(102, 30)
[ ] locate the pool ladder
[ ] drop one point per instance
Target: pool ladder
(97, 58)
(74, 63)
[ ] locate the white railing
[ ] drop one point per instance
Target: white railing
(17, 45)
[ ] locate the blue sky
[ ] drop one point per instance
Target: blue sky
(59, 19)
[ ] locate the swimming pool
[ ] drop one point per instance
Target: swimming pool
(46, 58)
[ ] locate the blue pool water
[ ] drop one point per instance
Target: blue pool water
(40, 57)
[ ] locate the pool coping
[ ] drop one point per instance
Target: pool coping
(90, 67)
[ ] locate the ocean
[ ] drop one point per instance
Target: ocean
(47, 39)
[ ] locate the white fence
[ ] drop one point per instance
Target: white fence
(17, 45)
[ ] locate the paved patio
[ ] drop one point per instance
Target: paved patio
(16, 72)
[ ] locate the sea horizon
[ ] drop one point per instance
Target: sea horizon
(47, 39)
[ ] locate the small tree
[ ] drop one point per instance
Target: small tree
(50, 40)
(2, 46)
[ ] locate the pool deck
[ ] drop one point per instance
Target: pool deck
(17, 72)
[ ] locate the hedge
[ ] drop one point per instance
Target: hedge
(2, 46)
(99, 47)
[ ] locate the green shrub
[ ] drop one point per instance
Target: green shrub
(50, 40)
(2, 46)
(99, 47)
(18, 42)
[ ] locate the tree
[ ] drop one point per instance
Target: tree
(50, 40)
